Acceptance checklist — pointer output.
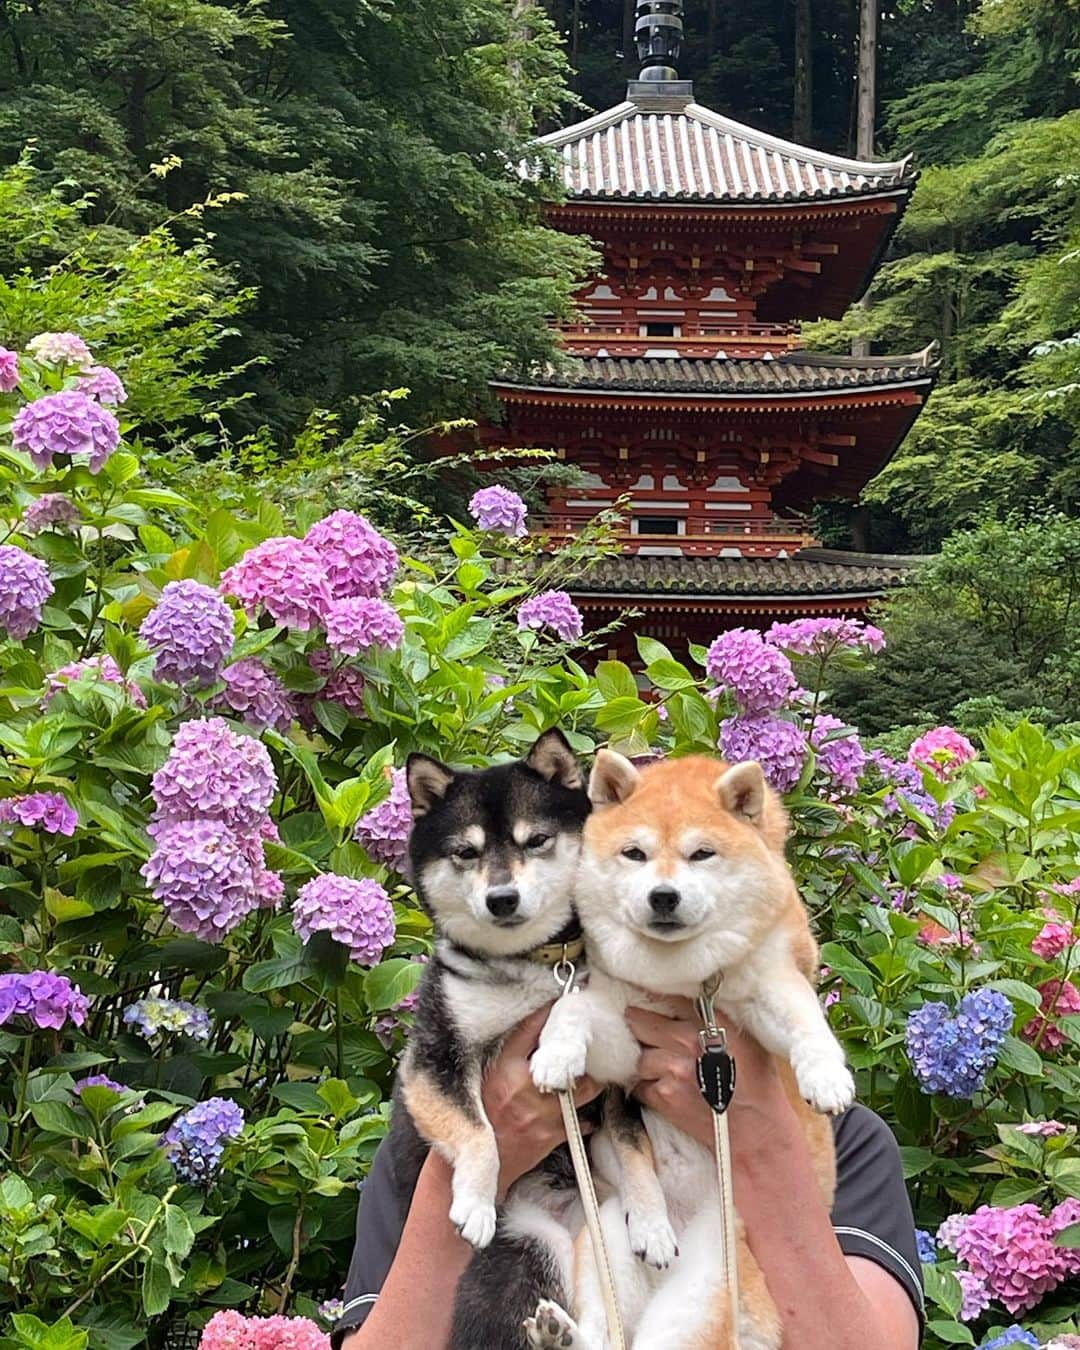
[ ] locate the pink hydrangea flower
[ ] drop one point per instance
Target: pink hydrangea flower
(214, 773)
(1061, 1217)
(50, 511)
(359, 623)
(48, 811)
(230, 1330)
(284, 576)
(842, 759)
(254, 691)
(344, 684)
(354, 911)
(60, 349)
(357, 558)
(1055, 936)
(1060, 998)
(758, 675)
(1014, 1252)
(1042, 1129)
(384, 830)
(943, 750)
(104, 384)
(498, 509)
(9, 370)
(24, 588)
(93, 668)
(822, 637)
(554, 610)
(67, 423)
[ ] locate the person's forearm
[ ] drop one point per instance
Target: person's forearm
(415, 1308)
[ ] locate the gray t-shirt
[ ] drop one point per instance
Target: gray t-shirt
(871, 1215)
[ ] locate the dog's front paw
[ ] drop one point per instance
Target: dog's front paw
(474, 1219)
(558, 1063)
(652, 1239)
(550, 1328)
(826, 1085)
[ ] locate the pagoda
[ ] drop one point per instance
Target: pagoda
(683, 386)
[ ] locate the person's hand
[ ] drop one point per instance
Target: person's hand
(668, 1077)
(527, 1123)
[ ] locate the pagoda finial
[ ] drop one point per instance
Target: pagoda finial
(658, 33)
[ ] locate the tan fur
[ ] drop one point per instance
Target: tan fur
(438, 1120)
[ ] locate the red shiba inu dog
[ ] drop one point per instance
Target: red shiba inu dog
(683, 879)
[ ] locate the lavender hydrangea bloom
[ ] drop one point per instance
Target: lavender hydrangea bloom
(195, 1141)
(498, 509)
(344, 684)
(9, 370)
(384, 830)
(354, 625)
(953, 1055)
(356, 912)
(286, 577)
(47, 999)
(93, 668)
(103, 384)
(907, 782)
(554, 610)
(331, 1310)
(254, 692)
(358, 559)
(778, 746)
(47, 811)
(822, 637)
(758, 675)
(214, 773)
(67, 423)
(24, 588)
(52, 510)
(191, 632)
(99, 1080)
(843, 759)
(154, 1016)
(59, 349)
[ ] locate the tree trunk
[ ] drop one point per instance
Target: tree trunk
(575, 34)
(519, 16)
(866, 119)
(629, 18)
(713, 23)
(803, 113)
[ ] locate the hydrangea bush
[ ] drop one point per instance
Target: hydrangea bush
(209, 952)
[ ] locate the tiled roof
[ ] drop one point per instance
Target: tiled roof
(792, 373)
(813, 572)
(677, 150)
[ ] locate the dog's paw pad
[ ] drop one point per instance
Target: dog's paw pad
(652, 1239)
(475, 1221)
(829, 1088)
(550, 1328)
(556, 1066)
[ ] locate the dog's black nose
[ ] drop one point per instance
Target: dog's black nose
(503, 900)
(664, 899)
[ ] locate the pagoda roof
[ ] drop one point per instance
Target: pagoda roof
(672, 149)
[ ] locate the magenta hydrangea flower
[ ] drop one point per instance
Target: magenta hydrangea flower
(214, 773)
(1060, 998)
(59, 349)
(500, 510)
(759, 676)
(24, 588)
(47, 999)
(195, 1142)
(67, 423)
(777, 745)
(344, 683)
(354, 911)
(254, 691)
(93, 668)
(943, 750)
(191, 633)
(9, 370)
(103, 384)
(1055, 936)
(842, 760)
(554, 610)
(358, 559)
(50, 511)
(99, 1080)
(823, 637)
(231, 1331)
(286, 577)
(1013, 1252)
(47, 811)
(356, 624)
(384, 830)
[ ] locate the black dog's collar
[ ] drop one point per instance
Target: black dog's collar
(567, 945)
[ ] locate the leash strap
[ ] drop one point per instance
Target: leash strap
(565, 975)
(716, 1077)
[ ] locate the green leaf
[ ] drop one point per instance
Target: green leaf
(386, 984)
(277, 973)
(57, 1118)
(1017, 1054)
(179, 1234)
(1069, 1237)
(651, 651)
(953, 1333)
(157, 1287)
(943, 1289)
(669, 675)
(616, 680)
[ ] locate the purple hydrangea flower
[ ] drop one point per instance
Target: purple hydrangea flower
(927, 1247)
(191, 632)
(354, 625)
(254, 692)
(50, 511)
(195, 1141)
(215, 773)
(331, 1310)
(153, 1017)
(99, 1080)
(93, 668)
(67, 423)
(59, 349)
(358, 559)
(758, 675)
(103, 384)
(498, 509)
(24, 588)
(47, 999)
(554, 610)
(842, 759)
(822, 637)
(47, 811)
(778, 746)
(953, 1054)
(208, 878)
(976, 1296)
(907, 782)
(384, 830)
(284, 576)
(9, 370)
(344, 684)
(354, 911)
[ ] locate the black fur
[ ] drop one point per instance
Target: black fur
(500, 1288)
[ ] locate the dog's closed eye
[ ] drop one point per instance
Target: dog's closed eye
(702, 854)
(537, 840)
(635, 854)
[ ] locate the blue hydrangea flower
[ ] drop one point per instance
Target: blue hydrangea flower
(953, 1054)
(195, 1141)
(1014, 1337)
(927, 1247)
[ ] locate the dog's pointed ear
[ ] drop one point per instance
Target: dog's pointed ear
(743, 792)
(553, 758)
(427, 780)
(613, 779)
